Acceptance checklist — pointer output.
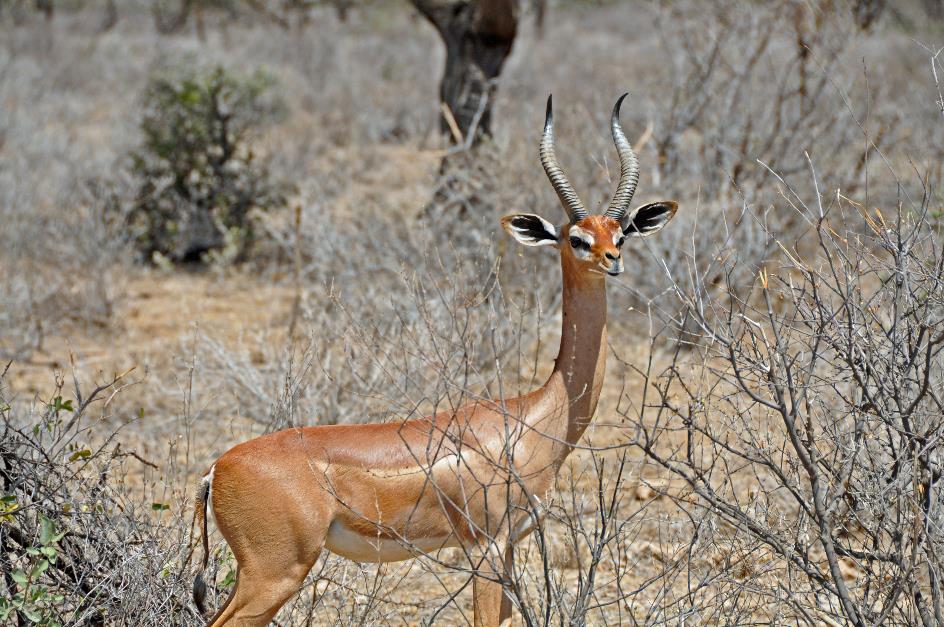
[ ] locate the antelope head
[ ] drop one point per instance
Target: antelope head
(592, 242)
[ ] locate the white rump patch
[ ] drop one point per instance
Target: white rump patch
(208, 481)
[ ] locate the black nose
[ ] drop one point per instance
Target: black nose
(612, 257)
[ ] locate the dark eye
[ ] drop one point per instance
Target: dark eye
(619, 243)
(576, 242)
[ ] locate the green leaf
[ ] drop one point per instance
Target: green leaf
(159, 507)
(38, 569)
(83, 454)
(20, 577)
(31, 614)
(8, 505)
(58, 404)
(229, 579)
(47, 530)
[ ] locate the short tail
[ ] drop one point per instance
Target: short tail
(200, 516)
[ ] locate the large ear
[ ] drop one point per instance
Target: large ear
(649, 219)
(531, 230)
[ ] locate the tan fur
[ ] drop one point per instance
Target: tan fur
(369, 491)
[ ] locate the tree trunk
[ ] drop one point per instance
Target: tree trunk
(45, 7)
(934, 9)
(867, 12)
(111, 15)
(478, 35)
(167, 25)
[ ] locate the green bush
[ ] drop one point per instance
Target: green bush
(80, 543)
(34, 599)
(199, 180)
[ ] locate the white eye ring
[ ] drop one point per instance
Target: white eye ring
(579, 243)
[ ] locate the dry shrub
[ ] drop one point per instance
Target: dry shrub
(200, 184)
(81, 544)
(808, 417)
(402, 310)
(58, 269)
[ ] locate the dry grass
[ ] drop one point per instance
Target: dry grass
(383, 279)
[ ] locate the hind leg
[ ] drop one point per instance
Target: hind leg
(273, 559)
(276, 527)
(491, 605)
(260, 591)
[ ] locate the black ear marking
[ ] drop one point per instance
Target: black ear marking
(527, 225)
(531, 229)
(649, 218)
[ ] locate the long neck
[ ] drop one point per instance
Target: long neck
(577, 379)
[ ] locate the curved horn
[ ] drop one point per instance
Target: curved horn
(629, 168)
(565, 191)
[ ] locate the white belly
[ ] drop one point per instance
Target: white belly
(347, 543)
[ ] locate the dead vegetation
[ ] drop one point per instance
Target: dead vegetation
(771, 455)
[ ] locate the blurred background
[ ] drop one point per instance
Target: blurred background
(224, 217)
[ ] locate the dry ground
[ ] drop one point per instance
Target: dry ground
(210, 348)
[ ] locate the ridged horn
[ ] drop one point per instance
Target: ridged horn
(629, 168)
(565, 191)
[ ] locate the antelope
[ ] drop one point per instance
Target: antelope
(471, 478)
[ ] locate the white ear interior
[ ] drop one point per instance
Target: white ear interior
(649, 219)
(531, 230)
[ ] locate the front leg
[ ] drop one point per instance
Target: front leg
(491, 604)
(532, 519)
